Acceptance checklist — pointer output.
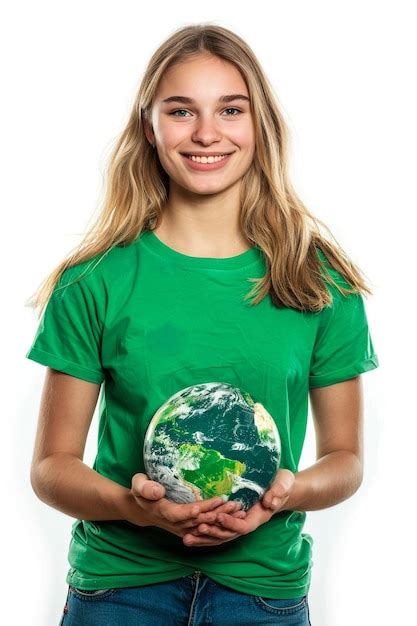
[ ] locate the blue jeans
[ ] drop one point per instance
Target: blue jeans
(193, 600)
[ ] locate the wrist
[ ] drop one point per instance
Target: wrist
(128, 509)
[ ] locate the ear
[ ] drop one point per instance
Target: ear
(149, 132)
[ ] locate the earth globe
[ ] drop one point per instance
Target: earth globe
(212, 439)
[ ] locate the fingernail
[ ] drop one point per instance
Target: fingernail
(195, 510)
(274, 501)
(155, 491)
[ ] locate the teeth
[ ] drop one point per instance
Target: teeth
(204, 159)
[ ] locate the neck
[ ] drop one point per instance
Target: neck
(206, 229)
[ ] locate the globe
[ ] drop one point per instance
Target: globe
(212, 439)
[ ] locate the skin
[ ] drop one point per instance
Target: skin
(201, 216)
(220, 525)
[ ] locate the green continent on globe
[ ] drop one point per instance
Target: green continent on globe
(212, 473)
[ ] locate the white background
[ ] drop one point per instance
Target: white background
(345, 80)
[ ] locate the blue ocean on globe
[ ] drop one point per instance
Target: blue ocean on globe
(212, 439)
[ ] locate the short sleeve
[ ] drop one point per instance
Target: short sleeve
(68, 337)
(343, 347)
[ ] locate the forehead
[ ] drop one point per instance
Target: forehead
(206, 76)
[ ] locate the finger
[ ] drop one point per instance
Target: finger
(205, 519)
(144, 487)
(232, 523)
(212, 530)
(200, 542)
(182, 512)
(213, 534)
(210, 516)
(239, 514)
(228, 507)
(191, 540)
(274, 501)
(227, 503)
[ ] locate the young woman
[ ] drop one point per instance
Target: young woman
(156, 299)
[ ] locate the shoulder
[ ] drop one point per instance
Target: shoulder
(333, 278)
(103, 268)
(346, 301)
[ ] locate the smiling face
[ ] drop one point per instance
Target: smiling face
(197, 111)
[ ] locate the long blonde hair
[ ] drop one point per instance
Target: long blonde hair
(272, 216)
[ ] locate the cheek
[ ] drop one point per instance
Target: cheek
(171, 135)
(244, 137)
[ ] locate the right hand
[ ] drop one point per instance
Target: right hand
(176, 518)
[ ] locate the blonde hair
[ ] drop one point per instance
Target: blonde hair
(272, 216)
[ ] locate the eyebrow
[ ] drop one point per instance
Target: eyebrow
(186, 100)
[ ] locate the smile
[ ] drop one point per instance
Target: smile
(203, 159)
(203, 163)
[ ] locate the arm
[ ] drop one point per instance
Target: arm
(338, 473)
(60, 478)
(58, 475)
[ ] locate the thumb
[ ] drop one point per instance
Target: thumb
(284, 482)
(144, 487)
(280, 488)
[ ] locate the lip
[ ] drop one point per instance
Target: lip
(207, 154)
(203, 167)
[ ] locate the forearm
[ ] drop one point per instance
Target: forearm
(332, 479)
(65, 483)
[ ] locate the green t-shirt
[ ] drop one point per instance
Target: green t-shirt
(147, 321)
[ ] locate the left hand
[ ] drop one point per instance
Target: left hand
(226, 527)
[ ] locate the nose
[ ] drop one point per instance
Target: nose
(206, 131)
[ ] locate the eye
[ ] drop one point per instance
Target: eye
(184, 111)
(233, 109)
(178, 111)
